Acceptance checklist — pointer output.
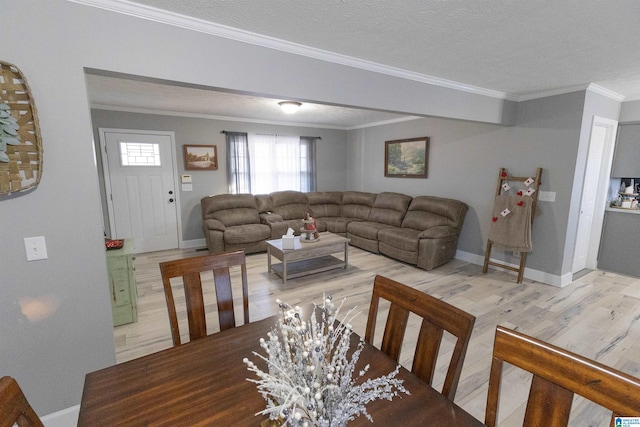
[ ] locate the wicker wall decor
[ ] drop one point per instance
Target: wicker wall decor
(20, 139)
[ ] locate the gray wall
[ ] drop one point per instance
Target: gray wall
(465, 159)
(330, 151)
(630, 112)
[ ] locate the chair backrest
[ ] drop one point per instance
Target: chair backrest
(438, 316)
(558, 374)
(14, 407)
(190, 270)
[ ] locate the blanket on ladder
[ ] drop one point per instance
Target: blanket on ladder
(512, 230)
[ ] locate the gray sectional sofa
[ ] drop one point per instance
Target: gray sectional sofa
(420, 230)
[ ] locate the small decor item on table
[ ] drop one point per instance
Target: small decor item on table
(309, 231)
(113, 244)
(310, 379)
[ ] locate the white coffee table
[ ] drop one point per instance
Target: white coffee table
(308, 258)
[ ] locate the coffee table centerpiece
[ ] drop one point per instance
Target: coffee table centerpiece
(310, 379)
(309, 231)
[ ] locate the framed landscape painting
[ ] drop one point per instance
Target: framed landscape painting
(201, 157)
(406, 158)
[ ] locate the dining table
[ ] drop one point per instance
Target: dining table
(205, 383)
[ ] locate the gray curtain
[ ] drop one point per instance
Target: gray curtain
(308, 162)
(238, 170)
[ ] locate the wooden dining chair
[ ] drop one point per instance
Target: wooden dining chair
(14, 407)
(558, 374)
(190, 269)
(437, 316)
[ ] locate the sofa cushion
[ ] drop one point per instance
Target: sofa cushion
(263, 203)
(426, 211)
(290, 204)
(366, 229)
(357, 204)
(325, 203)
(336, 225)
(247, 233)
(389, 208)
(231, 209)
(405, 239)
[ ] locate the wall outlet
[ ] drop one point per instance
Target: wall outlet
(36, 248)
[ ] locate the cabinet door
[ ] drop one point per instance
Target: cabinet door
(619, 244)
(626, 163)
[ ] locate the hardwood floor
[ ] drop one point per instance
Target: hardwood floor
(597, 316)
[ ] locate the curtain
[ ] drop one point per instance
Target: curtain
(275, 163)
(308, 162)
(238, 163)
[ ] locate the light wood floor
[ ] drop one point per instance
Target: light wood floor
(596, 316)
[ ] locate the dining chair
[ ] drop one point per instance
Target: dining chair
(191, 270)
(14, 407)
(437, 316)
(558, 374)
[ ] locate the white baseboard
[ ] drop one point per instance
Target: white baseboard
(195, 243)
(65, 418)
(529, 273)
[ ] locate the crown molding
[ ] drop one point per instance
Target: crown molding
(166, 17)
(592, 87)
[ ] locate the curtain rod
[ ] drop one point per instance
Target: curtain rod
(316, 137)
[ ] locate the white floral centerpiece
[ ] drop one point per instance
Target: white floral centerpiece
(310, 379)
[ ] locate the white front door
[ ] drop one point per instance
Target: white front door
(594, 187)
(140, 175)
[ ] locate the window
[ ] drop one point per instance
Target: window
(260, 164)
(139, 154)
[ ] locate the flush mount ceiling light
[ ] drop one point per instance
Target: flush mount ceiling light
(289, 107)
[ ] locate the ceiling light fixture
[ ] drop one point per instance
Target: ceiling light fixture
(289, 107)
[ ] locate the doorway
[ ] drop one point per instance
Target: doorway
(594, 193)
(140, 182)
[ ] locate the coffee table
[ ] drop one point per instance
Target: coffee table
(307, 258)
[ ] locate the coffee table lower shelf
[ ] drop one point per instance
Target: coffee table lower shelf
(307, 266)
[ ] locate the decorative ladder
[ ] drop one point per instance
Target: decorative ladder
(503, 176)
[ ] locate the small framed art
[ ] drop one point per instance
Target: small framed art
(200, 157)
(406, 158)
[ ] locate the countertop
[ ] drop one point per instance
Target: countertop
(621, 210)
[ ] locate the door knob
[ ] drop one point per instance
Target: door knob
(170, 200)
(170, 191)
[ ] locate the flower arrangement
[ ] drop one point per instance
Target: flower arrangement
(310, 379)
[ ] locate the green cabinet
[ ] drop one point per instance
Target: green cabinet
(122, 284)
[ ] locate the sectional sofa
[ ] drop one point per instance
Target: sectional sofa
(421, 230)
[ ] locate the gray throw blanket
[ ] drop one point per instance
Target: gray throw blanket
(513, 231)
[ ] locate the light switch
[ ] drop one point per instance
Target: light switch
(36, 248)
(547, 196)
(187, 187)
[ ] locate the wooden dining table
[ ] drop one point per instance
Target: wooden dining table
(204, 383)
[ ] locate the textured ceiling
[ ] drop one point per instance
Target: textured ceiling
(512, 47)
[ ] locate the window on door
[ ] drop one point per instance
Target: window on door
(260, 163)
(139, 154)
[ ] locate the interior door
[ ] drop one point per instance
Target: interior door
(594, 194)
(143, 203)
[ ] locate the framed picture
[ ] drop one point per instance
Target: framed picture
(406, 158)
(200, 157)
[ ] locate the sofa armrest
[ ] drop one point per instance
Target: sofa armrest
(214, 224)
(438, 232)
(270, 218)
